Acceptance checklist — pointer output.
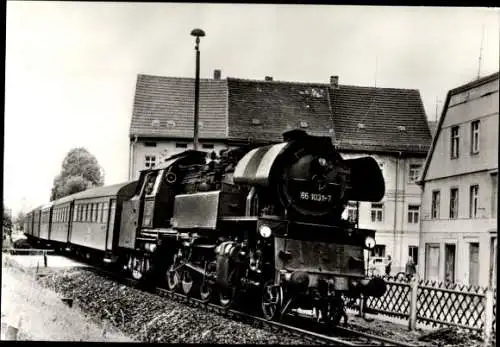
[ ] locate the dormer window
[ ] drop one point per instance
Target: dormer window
(170, 124)
(402, 128)
(361, 125)
(155, 123)
(303, 124)
(256, 121)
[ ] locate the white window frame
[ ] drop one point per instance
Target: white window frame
(474, 140)
(413, 214)
(454, 203)
(377, 212)
(473, 200)
(414, 172)
(150, 161)
(352, 212)
(435, 204)
(455, 142)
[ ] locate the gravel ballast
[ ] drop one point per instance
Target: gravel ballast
(149, 318)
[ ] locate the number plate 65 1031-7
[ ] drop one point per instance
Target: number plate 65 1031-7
(315, 197)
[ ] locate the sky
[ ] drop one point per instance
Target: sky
(71, 67)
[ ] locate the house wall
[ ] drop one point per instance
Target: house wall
(480, 105)
(162, 150)
(444, 173)
(395, 232)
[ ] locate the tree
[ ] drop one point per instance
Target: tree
(6, 223)
(80, 171)
(19, 220)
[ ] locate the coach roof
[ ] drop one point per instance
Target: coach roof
(94, 193)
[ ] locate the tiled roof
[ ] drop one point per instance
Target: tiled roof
(384, 119)
(357, 118)
(164, 107)
(263, 110)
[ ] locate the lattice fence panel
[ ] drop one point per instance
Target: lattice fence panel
(441, 303)
(395, 302)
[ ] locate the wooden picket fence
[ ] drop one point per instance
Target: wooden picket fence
(437, 304)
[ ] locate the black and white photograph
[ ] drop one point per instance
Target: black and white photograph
(224, 173)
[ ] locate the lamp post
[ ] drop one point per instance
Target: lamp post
(197, 33)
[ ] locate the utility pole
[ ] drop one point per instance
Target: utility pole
(480, 54)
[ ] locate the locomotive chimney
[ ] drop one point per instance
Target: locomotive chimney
(269, 78)
(334, 82)
(217, 74)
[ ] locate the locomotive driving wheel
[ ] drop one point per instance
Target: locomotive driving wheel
(333, 311)
(205, 291)
(272, 301)
(173, 278)
(187, 282)
(227, 296)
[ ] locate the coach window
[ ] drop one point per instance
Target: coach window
(92, 212)
(95, 212)
(98, 213)
(87, 212)
(105, 212)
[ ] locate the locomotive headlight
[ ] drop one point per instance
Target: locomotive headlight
(265, 231)
(152, 248)
(322, 161)
(370, 242)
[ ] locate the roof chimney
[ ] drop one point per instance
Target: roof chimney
(334, 82)
(217, 74)
(269, 78)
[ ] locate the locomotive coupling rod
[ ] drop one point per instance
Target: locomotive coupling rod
(195, 268)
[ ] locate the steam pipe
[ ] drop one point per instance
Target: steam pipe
(248, 206)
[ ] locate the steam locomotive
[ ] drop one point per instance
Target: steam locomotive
(263, 222)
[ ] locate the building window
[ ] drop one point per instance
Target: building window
(474, 137)
(378, 251)
(352, 212)
(413, 213)
(473, 263)
(453, 203)
(432, 261)
(413, 253)
(454, 142)
(473, 201)
(149, 161)
(181, 145)
(435, 204)
(414, 172)
(377, 212)
(449, 262)
(150, 144)
(207, 146)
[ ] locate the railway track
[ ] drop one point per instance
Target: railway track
(297, 325)
(315, 332)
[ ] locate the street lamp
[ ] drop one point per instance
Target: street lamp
(197, 33)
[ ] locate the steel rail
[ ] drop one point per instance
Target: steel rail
(354, 338)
